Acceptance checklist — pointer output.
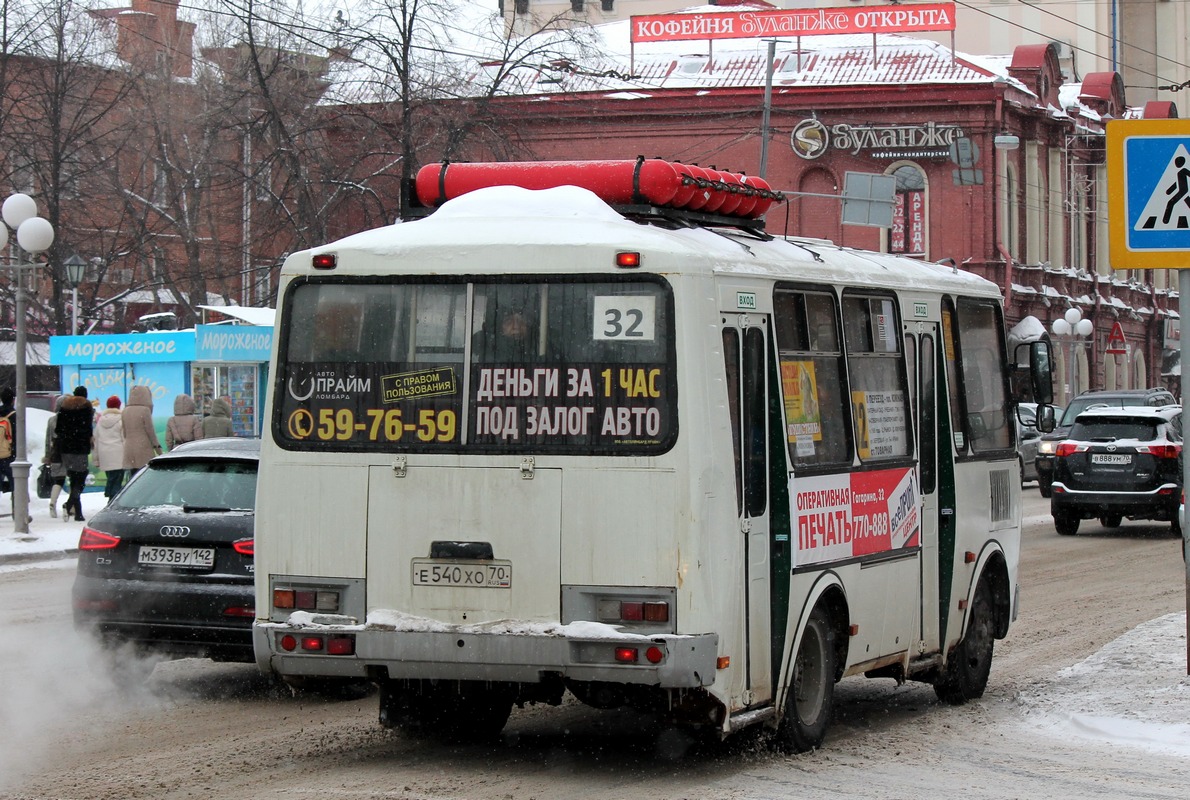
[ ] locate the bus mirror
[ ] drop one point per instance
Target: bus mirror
(1042, 372)
(1045, 418)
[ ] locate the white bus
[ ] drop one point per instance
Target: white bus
(530, 444)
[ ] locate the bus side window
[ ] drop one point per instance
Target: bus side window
(875, 366)
(812, 378)
(731, 361)
(981, 354)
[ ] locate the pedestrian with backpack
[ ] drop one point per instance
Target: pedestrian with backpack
(73, 431)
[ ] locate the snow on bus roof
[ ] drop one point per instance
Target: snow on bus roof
(575, 215)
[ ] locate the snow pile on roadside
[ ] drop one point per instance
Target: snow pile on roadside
(1132, 693)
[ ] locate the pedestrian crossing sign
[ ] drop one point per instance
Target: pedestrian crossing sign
(1148, 190)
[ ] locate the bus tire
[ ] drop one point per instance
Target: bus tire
(454, 711)
(966, 674)
(811, 697)
(1111, 520)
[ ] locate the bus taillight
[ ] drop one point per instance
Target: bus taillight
(331, 645)
(611, 610)
(306, 600)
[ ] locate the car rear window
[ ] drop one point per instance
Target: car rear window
(216, 485)
(1107, 430)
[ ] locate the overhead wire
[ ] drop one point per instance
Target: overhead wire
(298, 24)
(1037, 7)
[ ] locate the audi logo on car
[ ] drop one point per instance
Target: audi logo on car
(175, 531)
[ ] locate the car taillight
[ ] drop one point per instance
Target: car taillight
(1161, 450)
(91, 539)
(1069, 449)
(245, 547)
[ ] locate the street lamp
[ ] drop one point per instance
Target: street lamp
(34, 236)
(1073, 328)
(76, 269)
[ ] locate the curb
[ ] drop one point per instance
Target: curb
(43, 555)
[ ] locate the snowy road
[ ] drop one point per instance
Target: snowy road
(1088, 698)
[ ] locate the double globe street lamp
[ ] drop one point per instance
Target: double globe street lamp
(1074, 329)
(34, 236)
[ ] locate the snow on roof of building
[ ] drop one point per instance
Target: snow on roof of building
(248, 314)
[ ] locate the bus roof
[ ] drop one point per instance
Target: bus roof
(571, 218)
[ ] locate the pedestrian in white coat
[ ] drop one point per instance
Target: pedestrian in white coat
(109, 446)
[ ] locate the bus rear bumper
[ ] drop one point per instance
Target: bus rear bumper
(667, 661)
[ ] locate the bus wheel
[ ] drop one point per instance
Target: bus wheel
(1065, 522)
(456, 711)
(966, 673)
(408, 707)
(1111, 520)
(477, 714)
(811, 696)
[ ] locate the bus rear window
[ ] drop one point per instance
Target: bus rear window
(576, 365)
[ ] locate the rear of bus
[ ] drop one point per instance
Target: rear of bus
(471, 490)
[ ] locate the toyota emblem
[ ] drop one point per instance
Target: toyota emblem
(175, 531)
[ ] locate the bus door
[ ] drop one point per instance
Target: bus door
(921, 341)
(745, 349)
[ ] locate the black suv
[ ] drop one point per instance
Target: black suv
(1117, 398)
(1116, 463)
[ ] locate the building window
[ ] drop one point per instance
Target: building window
(576, 6)
(908, 233)
(1010, 234)
(522, 6)
(609, 5)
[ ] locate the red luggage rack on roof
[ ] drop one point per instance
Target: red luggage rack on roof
(639, 188)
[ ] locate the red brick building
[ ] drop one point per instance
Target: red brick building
(999, 163)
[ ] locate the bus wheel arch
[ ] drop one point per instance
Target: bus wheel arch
(968, 666)
(816, 665)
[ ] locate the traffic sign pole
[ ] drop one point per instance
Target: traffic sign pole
(1184, 313)
(1148, 224)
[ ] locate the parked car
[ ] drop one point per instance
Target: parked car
(167, 568)
(43, 400)
(1119, 398)
(1116, 463)
(1028, 438)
